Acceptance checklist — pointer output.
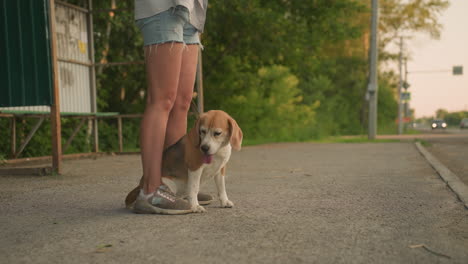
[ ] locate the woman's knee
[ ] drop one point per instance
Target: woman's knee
(162, 103)
(182, 103)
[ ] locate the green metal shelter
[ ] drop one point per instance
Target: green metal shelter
(25, 70)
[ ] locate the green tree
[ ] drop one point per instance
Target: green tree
(273, 109)
(404, 18)
(441, 113)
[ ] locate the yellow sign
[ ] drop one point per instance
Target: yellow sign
(82, 46)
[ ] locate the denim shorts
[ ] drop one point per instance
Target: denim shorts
(171, 25)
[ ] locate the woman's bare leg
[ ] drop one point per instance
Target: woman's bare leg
(177, 123)
(163, 66)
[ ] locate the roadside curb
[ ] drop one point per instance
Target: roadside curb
(452, 180)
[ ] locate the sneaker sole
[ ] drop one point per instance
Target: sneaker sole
(162, 211)
(132, 205)
(149, 209)
(205, 202)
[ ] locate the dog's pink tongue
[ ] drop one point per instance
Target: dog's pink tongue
(207, 159)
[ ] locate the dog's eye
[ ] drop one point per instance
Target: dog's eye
(202, 131)
(217, 134)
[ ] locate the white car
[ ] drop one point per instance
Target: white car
(438, 123)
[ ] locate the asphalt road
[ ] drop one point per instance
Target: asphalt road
(294, 203)
(451, 151)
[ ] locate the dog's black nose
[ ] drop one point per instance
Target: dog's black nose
(205, 148)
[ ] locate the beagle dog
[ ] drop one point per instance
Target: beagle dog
(198, 156)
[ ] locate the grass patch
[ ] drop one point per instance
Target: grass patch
(130, 149)
(412, 132)
(340, 139)
(423, 142)
(330, 139)
(256, 141)
(356, 139)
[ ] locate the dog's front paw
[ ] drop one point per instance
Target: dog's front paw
(198, 209)
(227, 204)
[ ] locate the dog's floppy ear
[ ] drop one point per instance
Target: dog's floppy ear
(194, 133)
(236, 134)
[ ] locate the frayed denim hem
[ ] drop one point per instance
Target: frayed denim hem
(154, 46)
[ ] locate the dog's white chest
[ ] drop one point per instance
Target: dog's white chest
(219, 161)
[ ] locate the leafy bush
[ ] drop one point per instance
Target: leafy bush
(271, 106)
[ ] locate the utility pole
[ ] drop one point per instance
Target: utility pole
(406, 86)
(373, 86)
(400, 87)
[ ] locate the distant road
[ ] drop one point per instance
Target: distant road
(427, 133)
(451, 130)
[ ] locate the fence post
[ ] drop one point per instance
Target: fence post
(56, 125)
(92, 71)
(13, 137)
(119, 124)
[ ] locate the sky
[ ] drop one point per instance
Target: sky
(432, 91)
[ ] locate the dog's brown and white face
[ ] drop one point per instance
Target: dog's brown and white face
(214, 130)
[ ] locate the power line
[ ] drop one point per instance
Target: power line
(430, 71)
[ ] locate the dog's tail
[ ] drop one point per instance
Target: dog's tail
(132, 195)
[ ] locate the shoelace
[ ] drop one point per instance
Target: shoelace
(166, 193)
